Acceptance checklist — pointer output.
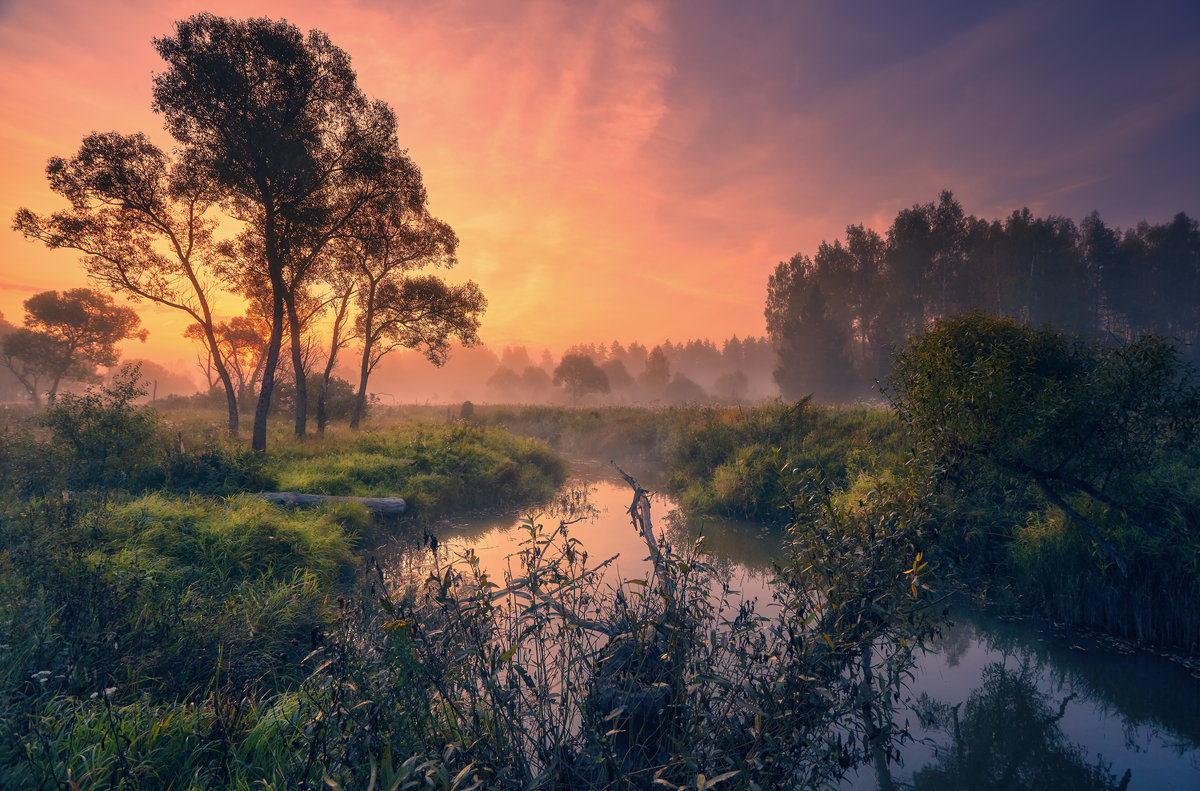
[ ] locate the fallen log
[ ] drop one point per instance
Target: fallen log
(385, 506)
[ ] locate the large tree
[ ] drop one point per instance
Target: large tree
(140, 222)
(65, 337)
(277, 120)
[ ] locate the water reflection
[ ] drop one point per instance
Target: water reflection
(996, 705)
(1002, 705)
(1008, 736)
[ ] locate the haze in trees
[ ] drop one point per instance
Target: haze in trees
(580, 375)
(936, 261)
(65, 337)
(129, 203)
(277, 120)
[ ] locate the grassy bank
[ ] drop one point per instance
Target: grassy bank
(437, 468)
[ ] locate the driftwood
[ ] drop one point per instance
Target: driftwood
(385, 506)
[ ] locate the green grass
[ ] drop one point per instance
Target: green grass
(436, 468)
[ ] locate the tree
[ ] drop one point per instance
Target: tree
(535, 381)
(65, 337)
(379, 249)
(419, 312)
(277, 120)
(731, 387)
(990, 398)
(580, 375)
(344, 288)
(129, 204)
(682, 389)
(810, 342)
(618, 376)
(505, 382)
(657, 374)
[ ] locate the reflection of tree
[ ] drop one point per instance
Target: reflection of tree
(1008, 738)
(951, 641)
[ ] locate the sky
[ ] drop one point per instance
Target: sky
(635, 170)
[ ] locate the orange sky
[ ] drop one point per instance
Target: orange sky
(635, 170)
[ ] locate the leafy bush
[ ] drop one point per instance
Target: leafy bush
(1072, 467)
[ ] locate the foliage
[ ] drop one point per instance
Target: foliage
(1071, 467)
(860, 575)
(102, 441)
(989, 396)
(580, 375)
(129, 202)
(65, 337)
(858, 297)
(276, 119)
(727, 461)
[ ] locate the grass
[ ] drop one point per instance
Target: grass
(437, 468)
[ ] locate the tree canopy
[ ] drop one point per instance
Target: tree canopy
(129, 203)
(580, 375)
(934, 261)
(65, 337)
(277, 120)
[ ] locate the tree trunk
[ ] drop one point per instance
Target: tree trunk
(298, 368)
(360, 399)
(231, 401)
(258, 440)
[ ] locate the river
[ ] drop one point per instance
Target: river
(994, 704)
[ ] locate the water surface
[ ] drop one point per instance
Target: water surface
(994, 704)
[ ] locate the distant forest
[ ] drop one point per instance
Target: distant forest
(836, 316)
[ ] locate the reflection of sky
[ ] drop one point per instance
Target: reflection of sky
(607, 532)
(1121, 703)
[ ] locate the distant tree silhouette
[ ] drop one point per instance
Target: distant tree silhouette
(580, 375)
(936, 261)
(65, 337)
(810, 341)
(657, 375)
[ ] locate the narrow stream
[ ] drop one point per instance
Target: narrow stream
(993, 705)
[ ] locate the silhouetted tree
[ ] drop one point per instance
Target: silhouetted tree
(811, 344)
(536, 381)
(276, 119)
(385, 242)
(65, 337)
(580, 375)
(140, 221)
(417, 312)
(681, 388)
(937, 261)
(657, 374)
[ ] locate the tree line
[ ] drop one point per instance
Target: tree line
(273, 134)
(835, 316)
(736, 371)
